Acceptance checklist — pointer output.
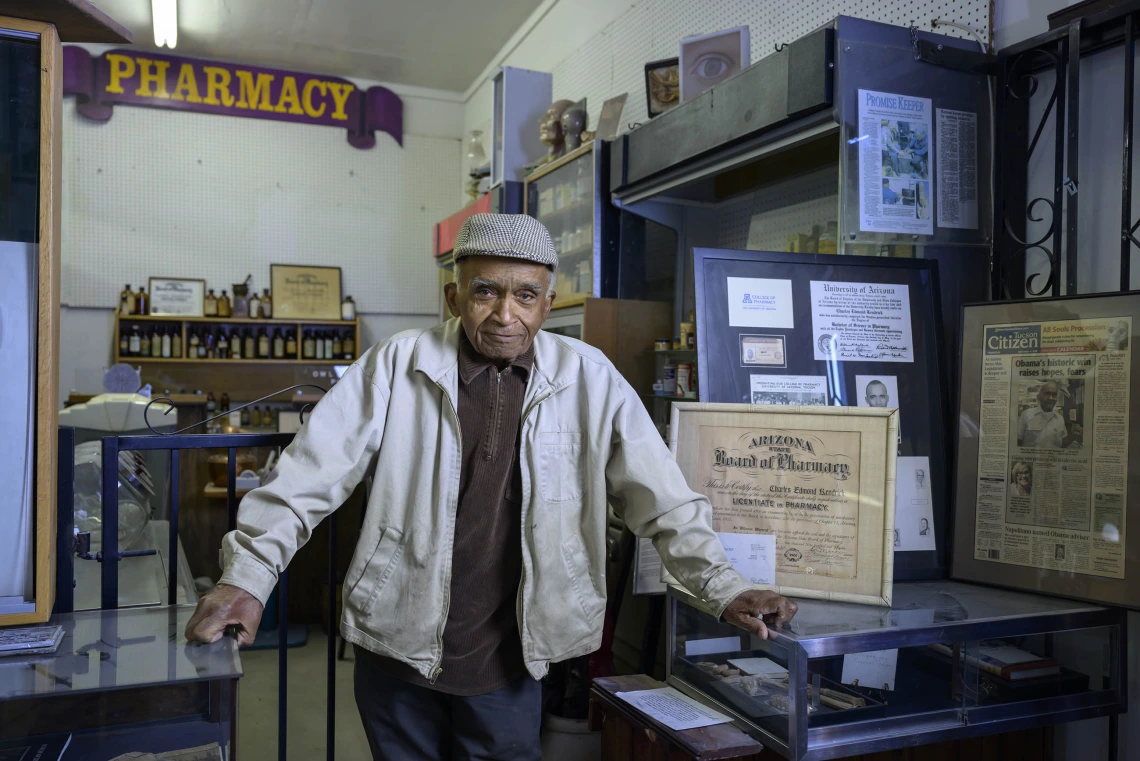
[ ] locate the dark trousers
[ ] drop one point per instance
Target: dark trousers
(405, 722)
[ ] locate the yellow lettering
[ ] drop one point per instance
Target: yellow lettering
(340, 92)
(149, 80)
(254, 94)
(187, 82)
(288, 95)
(217, 81)
(307, 97)
(122, 67)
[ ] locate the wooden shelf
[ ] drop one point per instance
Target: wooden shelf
(232, 320)
(185, 360)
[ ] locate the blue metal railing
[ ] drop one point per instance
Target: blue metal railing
(174, 443)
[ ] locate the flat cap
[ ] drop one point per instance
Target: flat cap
(515, 236)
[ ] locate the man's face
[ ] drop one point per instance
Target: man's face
(501, 302)
(877, 395)
(1047, 396)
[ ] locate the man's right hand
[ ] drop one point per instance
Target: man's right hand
(225, 606)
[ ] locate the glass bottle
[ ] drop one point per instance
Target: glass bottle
(211, 405)
(165, 346)
(254, 306)
(262, 344)
(156, 342)
(144, 343)
(142, 302)
(278, 345)
(134, 344)
(266, 305)
(221, 345)
(328, 345)
(124, 344)
(255, 416)
(348, 309)
(210, 308)
(269, 418)
(245, 416)
(210, 346)
(235, 344)
(176, 342)
(127, 300)
(308, 350)
(349, 346)
(225, 406)
(194, 344)
(337, 348)
(291, 345)
(224, 307)
(319, 340)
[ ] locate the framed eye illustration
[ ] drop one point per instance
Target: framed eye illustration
(709, 59)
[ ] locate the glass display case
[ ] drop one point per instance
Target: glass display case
(949, 660)
(568, 197)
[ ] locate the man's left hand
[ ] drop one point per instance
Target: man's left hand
(758, 610)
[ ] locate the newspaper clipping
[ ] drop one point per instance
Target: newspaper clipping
(1053, 445)
(894, 163)
(957, 169)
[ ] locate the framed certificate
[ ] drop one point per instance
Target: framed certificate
(853, 331)
(177, 297)
(1046, 471)
(302, 292)
(817, 482)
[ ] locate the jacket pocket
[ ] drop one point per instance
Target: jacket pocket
(578, 569)
(560, 462)
(376, 571)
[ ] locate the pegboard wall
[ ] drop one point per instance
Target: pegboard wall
(613, 60)
(170, 194)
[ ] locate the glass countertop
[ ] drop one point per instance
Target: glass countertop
(118, 649)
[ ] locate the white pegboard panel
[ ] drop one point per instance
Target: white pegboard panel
(771, 214)
(163, 193)
(612, 61)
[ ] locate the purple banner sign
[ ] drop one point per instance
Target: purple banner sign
(140, 78)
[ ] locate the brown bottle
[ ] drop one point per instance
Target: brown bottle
(266, 305)
(349, 346)
(337, 347)
(142, 302)
(127, 300)
(255, 416)
(210, 304)
(225, 308)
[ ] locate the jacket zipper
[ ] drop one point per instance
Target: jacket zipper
(490, 453)
(436, 669)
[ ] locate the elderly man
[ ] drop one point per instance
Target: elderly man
(1044, 425)
(494, 449)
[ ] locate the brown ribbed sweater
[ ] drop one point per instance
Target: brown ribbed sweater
(481, 647)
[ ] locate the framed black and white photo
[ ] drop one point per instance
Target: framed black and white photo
(177, 297)
(839, 331)
(1046, 474)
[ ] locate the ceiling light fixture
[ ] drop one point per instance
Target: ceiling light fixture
(164, 16)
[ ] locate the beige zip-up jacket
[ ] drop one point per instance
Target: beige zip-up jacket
(585, 438)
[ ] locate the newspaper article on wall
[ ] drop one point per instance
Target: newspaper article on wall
(1053, 445)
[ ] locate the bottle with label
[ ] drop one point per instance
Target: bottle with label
(202, 345)
(349, 346)
(144, 343)
(235, 344)
(290, 345)
(266, 305)
(249, 345)
(211, 346)
(142, 303)
(319, 342)
(134, 343)
(210, 304)
(337, 347)
(269, 418)
(348, 309)
(262, 344)
(328, 345)
(255, 416)
(165, 346)
(211, 405)
(194, 343)
(127, 300)
(254, 306)
(308, 350)
(124, 343)
(245, 416)
(278, 344)
(225, 309)
(225, 405)
(176, 342)
(222, 349)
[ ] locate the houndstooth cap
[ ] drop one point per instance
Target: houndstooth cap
(515, 236)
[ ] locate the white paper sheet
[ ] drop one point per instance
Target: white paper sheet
(712, 645)
(673, 709)
(861, 322)
(753, 555)
(647, 577)
(895, 141)
(957, 169)
(914, 506)
(763, 666)
(755, 302)
(872, 670)
(789, 389)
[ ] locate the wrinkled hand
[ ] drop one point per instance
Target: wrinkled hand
(225, 606)
(756, 610)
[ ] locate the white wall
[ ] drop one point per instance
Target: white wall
(164, 193)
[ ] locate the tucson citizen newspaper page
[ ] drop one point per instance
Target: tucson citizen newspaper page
(1053, 445)
(801, 486)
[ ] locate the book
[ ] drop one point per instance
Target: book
(29, 640)
(35, 750)
(1009, 663)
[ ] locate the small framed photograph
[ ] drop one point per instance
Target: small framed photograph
(808, 490)
(305, 292)
(177, 297)
(709, 59)
(662, 86)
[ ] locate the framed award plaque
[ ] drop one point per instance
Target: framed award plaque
(1046, 471)
(803, 497)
